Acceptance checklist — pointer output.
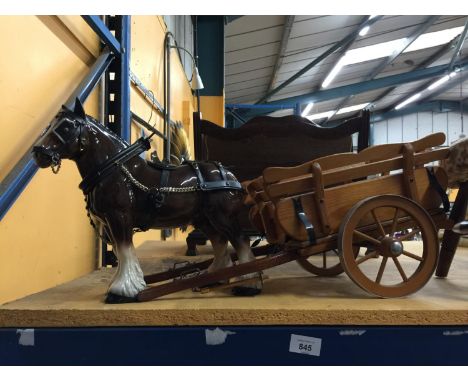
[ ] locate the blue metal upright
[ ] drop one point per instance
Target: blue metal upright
(98, 26)
(125, 41)
(117, 105)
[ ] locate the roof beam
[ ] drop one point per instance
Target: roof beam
(388, 60)
(356, 88)
(420, 89)
(288, 23)
(391, 112)
(334, 48)
(360, 87)
(462, 76)
(459, 46)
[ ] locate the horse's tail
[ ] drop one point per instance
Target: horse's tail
(180, 146)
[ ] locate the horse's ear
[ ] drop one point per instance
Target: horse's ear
(79, 110)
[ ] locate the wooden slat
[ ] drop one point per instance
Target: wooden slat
(304, 184)
(340, 199)
(371, 154)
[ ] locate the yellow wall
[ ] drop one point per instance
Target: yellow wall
(212, 109)
(147, 63)
(45, 238)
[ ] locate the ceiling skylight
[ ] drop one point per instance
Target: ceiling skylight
(429, 40)
(385, 49)
(372, 52)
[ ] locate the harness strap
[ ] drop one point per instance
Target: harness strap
(196, 168)
(301, 215)
(436, 185)
(105, 169)
(164, 178)
(222, 171)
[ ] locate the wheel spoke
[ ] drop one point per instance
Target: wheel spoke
(381, 270)
(412, 255)
(366, 237)
(410, 234)
(382, 231)
(395, 221)
(324, 254)
(370, 255)
(400, 269)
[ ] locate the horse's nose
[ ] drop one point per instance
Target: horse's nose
(40, 157)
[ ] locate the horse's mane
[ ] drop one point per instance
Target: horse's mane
(99, 126)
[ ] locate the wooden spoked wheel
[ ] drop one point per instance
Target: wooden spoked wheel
(394, 265)
(325, 264)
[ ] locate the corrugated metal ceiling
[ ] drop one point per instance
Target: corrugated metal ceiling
(252, 45)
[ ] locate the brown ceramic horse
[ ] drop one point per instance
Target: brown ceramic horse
(121, 202)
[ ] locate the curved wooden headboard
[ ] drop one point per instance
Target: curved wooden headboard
(274, 142)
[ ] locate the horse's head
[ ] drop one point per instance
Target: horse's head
(64, 138)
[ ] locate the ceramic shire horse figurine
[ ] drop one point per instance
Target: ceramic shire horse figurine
(127, 193)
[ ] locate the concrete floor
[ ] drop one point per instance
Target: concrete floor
(290, 296)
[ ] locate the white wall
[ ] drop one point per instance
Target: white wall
(414, 126)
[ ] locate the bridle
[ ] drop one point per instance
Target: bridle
(55, 159)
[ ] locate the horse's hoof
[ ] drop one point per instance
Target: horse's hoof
(113, 298)
(245, 291)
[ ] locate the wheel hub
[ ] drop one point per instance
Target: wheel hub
(390, 247)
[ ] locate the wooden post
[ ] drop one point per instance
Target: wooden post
(319, 196)
(411, 190)
(450, 239)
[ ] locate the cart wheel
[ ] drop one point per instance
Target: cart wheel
(325, 264)
(392, 266)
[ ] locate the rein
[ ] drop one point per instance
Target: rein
(105, 169)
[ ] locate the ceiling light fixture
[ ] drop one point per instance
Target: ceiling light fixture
(364, 30)
(385, 49)
(333, 73)
(429, 40)
(325, 114)
(307, 109)
(441, 81)
(349, 109)
(409, 100)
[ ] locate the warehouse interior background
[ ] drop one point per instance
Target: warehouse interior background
(395, 66)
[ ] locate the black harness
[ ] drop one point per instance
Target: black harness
(141, 145)
(223, 184)
(91, 180)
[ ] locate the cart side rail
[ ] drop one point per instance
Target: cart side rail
(341, 175)
(371, 154)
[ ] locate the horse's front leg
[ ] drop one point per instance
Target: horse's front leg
(128, 281)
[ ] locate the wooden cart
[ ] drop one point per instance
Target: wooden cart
(361, 209)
